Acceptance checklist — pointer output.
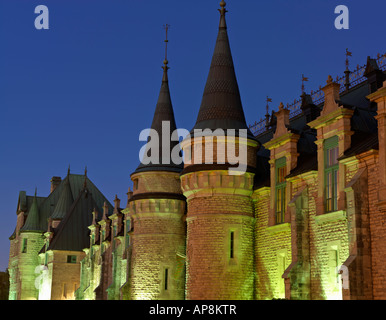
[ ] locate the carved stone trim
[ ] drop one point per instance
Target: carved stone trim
(331, 217)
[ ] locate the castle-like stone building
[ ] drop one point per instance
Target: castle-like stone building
(306, 220)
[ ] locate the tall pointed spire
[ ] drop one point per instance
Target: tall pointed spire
(221, 105)
(85, 178)
(163, 114)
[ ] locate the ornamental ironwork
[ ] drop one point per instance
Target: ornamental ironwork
(356, 77)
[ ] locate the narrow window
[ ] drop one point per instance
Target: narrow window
(331, 174)
(166, 276)
(24, 245)
(232, 244)
(65, 290)
(136, 184)
(333, 263)
(127, 233)
(71, 259)
(46, 254)
(280, 189)
(281, 266)
(92, 243)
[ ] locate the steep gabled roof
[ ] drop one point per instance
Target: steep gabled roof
(47, 206)
(73, 233)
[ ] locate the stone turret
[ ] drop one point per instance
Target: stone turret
(220, 219)
(156, 210)
(31, 241)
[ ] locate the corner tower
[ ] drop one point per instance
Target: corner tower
(220, 219)
(31, 237)
(157, 211)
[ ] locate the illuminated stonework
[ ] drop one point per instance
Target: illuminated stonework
(306, 220)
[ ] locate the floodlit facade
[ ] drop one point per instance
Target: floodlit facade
(306, 219)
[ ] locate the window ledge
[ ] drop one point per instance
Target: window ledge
(279, 228)
(331, 216)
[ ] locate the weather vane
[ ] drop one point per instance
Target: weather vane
(348, 54)
(268, 101)
(267, 114)
(304, 79)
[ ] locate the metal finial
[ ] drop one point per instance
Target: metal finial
(304, 79)
(223, 10)
(166, 27)
(85, 178)
(267, 114)
(268, 101)
(68, 170)
(348, 54)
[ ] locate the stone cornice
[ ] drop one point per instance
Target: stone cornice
(282, 227)
(209, 183)
(331, 117)
(281, 140)
(220, 215)
(330, 217)
(261, 193)
(154, 207)
(312, 174)
(379, 95)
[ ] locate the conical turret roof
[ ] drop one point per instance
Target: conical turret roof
(221, 106)
(32, 223)
(163, 113)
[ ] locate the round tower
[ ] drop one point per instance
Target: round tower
(157, 210)
(31, 241)
(217, 181)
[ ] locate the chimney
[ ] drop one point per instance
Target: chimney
(55, 181)
(282, 121)
(117, 203)
(331, 96)
(129, 195)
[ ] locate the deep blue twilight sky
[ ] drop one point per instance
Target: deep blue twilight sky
(81, 92)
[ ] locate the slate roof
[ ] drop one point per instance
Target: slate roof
(32, 222)
(64, 203)
(221, 105)
(72, 232)
(361, 142)
(363, 123)
(163, 112)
